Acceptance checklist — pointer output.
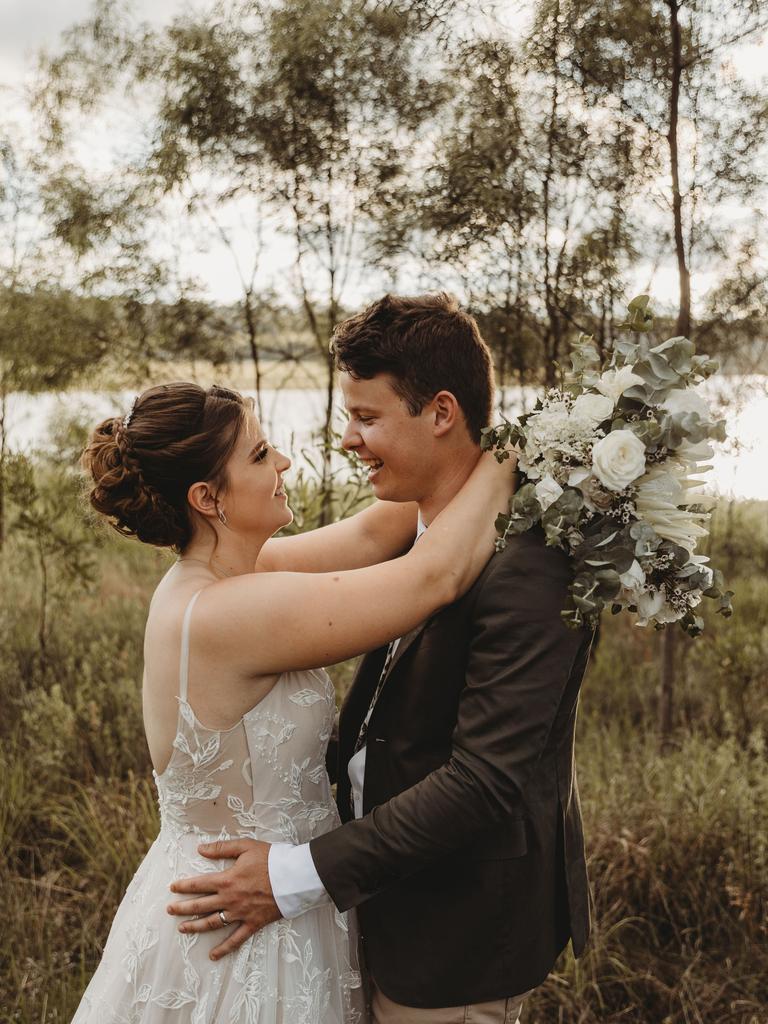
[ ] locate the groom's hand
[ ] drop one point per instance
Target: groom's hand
(243, 892)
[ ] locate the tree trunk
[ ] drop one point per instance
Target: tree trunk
(669, 636)
(321, 341)
(552, 334)
(253, 344)
(504, 344)
(42, 631)
(326, 506)
(728, 544)
(667, 685)
(684, 311)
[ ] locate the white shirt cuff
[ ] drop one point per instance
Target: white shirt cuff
(296, 885)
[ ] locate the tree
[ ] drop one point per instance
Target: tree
(665, 69)
(48, 336)
(61, 547)
(305, 109)
(662, 67)
(525, 202)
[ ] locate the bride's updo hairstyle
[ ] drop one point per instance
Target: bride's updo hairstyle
(142, 465)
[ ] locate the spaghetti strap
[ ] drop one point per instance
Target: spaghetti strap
(184, 660)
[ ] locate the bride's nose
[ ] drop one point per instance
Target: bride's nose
(283, 462)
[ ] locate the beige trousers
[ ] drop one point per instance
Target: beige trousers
(500, 1011)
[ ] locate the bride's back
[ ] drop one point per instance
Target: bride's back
(219, 693)
(253, 764)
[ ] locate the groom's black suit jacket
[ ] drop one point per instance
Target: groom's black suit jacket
(468, 869)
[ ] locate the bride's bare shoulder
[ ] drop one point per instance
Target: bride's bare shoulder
(175, 591)
(170, 600)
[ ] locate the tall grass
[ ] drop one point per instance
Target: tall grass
(678, 856)
(677, 841)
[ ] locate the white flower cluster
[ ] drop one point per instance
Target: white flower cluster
(611, 464)
(557, 436)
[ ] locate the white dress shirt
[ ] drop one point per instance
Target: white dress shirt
(296, 885)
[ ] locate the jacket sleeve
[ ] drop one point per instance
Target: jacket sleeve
(520, 659)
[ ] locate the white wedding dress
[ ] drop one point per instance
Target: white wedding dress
(264, 778)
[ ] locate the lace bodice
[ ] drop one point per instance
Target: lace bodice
(265, 777)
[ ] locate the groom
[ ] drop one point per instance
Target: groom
(461, 845)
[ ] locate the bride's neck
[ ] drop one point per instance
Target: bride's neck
(229, 557)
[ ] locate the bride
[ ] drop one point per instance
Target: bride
(237, 717)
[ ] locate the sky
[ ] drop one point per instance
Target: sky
(27, 26)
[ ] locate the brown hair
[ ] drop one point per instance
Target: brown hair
(428, 344)
(143, 465)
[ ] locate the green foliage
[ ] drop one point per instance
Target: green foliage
(724, 672)
(49, 336)
(678, 856)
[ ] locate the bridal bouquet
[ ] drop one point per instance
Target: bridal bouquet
(610, 462)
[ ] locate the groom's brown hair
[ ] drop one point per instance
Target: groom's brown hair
(428, 344)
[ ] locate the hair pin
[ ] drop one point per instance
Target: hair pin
(127, 419)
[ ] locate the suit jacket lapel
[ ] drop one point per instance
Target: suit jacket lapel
(406, 641)
(360, 694)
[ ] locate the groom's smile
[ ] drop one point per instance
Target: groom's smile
(372, 465)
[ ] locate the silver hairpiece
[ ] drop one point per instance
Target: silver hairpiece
(129, 417)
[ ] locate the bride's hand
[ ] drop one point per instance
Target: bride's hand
(241, 893)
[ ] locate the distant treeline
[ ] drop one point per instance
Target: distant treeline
(54, 336)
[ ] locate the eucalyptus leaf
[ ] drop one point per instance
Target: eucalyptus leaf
(640, 317)
(608, 583)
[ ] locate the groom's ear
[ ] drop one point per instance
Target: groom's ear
(445, 412)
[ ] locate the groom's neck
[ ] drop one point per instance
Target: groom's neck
(447, 482)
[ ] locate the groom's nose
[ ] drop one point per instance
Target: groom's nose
(351, 437)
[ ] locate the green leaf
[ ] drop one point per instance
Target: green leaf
(640, 318)
(608, 583)
(725, 607)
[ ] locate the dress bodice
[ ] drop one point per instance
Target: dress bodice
(265, 777)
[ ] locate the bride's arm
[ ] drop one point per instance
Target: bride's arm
(264, 623)
(378, 533)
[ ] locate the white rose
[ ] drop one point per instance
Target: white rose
(547, 491)
(618, 459)
(613, 383)
(683, 400)
(595, 408)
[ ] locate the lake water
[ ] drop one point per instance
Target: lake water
(292, 417)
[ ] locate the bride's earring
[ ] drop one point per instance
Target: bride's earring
(222, 517)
